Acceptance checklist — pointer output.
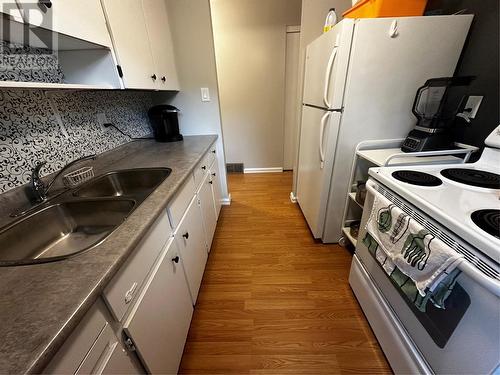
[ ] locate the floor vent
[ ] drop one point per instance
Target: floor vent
(234, 167)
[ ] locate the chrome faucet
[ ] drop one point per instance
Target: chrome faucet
(39, 188)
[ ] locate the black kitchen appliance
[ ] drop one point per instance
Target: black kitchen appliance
(165, 123)
(435, 111)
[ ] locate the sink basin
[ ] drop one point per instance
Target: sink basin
(127, 182)
(61, 230)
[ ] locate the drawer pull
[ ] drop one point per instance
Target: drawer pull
(130, 293)
(204, 167)
(210, 182)
(175, 259)
(213, 174)
(213, 151)
(186, 235)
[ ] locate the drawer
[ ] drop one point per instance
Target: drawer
(201, 169)
(181, 202)
(103, 344)
(122, 289)
(79, 344)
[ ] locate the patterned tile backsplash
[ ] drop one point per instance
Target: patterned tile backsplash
(60, 126)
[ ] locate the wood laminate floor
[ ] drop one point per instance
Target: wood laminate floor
(274, 301)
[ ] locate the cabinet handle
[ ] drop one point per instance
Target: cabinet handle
(47, 3)
(186, 235)
(154, 77)
(204, 167)
(176, 259)
(164, 79)
(130, 293)
(210, 182)
(213, 174)
(213, 151)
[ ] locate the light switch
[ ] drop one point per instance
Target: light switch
(205, 94)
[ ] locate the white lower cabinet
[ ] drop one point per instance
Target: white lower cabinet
(216, 187)
(205, 195)
(93, 348)
(190, 238)
(159, 322)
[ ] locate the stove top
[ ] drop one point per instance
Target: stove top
(417, 178)
(470, 210)
(473, 177)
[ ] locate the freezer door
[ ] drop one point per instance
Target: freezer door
(327, 59)
(317, 147)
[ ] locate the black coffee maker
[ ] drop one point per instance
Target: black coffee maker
(435, 108)
(165, 123)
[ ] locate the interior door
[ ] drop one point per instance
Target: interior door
(131, 41)
(159, 322)
(317, 148)
(161, 43)
(291, 97)
(80, 19)
(327, 59)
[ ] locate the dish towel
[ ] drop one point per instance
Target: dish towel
(408, 246)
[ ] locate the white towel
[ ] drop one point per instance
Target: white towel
(409, 246)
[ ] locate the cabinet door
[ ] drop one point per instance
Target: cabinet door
(161, 44)
(206, 198)
(159, 322)
(190, 238)
(80, 19)
(118, 361)
(216, 189)
(10, 7)
(130, 39)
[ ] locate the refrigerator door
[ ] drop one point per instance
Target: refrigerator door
(326, 67)
(318, 140)
(385, 71)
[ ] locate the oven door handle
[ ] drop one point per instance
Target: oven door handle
(465, 266)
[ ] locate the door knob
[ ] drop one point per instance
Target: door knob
(153, 77)
(175, 259)
(186, 235)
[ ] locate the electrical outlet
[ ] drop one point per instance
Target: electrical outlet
(472, 105)
(205, 94)
(101, 120)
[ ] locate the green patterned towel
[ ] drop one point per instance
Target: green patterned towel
(406, 284)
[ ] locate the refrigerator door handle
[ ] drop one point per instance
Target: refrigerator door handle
(324, 119)
(328, 73)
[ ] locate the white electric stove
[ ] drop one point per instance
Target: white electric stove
(459, 204)
(465, 198)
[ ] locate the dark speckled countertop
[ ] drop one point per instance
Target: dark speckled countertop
(41, 304)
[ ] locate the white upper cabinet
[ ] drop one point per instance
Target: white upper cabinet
(10, 7)
(155, 12)
(130, 39)
(142, 42)
(80, 19)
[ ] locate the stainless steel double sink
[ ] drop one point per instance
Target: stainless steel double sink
(79, 219)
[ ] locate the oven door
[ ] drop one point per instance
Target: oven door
(464, 338)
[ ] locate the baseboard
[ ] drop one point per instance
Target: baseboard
(293, 198)
(226, 201)
(263, 170)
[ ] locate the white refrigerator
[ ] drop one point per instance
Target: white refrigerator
(359, 84)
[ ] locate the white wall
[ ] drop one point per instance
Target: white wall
(192, 37)
(250, 44)
(313, 18)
